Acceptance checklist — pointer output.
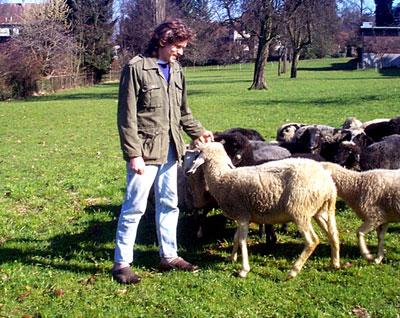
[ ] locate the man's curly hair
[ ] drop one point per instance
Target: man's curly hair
(168, 32)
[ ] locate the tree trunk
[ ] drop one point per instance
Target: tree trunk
(285, 61)
(295, 61)
(159, 11)
(259, 66)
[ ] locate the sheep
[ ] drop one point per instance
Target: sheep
(352, 123)
(251, 134)
(264, 152)
(374, 196)
(378, 130)
(275, 192)
(306, 139)
(286, 132)
(243, 152)
(381, 155)
(363, 154)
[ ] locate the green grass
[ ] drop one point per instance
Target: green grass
(62, 182)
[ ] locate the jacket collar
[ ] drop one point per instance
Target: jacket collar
(150, 63)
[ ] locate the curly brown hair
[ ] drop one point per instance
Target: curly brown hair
(168, 32)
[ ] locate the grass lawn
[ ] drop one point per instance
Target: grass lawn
(62, 180)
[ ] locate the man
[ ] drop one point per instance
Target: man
(152, 112)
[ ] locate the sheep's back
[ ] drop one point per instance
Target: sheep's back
(276, 192)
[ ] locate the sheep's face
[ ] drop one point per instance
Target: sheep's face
(348, 155)
(207, 152)
(236, 146)
(287, 132)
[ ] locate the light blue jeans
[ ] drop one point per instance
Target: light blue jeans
(164, 178)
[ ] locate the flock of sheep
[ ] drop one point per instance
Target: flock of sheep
(297, 179)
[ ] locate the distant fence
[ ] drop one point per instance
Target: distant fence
(57, 83)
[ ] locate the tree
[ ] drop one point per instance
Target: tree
(158, 7)
(259, 19)
(46, 33)
(305, 20)
(92, 24)
(44, 48)
(384, 13)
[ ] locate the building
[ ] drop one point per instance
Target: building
(10, 17)
(380, 45)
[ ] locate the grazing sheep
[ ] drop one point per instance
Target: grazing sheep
(374, 196)
(384, 154)
(306, 139)
(275, 192)
(251, 134)
(245, 152)
(352, 123)
(264, 152)
(238, 148)
(286, 132)
(378, 130)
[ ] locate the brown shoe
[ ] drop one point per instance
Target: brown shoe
(177, 263)
(125, 276)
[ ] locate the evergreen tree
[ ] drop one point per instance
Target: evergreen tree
(92, 23)
(384, 13)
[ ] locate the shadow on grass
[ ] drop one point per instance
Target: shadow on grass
(86, 251)
(393, 72)
(347, 66)
(293, 103)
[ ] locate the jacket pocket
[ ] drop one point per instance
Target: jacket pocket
(152, 96)
(179, 93)
(151, 144)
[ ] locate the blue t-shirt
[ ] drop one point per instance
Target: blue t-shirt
(164, 67)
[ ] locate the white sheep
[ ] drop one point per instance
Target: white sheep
(275, 192)
(374, 196)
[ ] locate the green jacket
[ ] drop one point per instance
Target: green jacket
(152, 113)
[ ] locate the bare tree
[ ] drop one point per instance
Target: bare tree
(258, 19)
(46, 33)
(304, 18)
(44, 47)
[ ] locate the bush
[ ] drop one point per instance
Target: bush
(19, 72)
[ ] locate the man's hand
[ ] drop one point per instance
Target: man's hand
(207, 136)
(137, 165)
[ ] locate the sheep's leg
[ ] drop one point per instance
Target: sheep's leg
(270, 234)
(322, 220)
(235, 245)
(312, 241)
(381, 230)
(327, 221)
(364, 229)
(242, 238)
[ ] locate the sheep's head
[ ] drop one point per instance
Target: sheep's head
(237, 146)
(206, 152)
(287, 132)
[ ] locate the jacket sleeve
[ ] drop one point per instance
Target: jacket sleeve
(190, 125)
(127, 113)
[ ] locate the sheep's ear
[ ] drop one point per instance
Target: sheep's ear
(196, 164)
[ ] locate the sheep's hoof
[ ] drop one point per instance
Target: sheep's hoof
(232, 258)
(243, 273)
(369, 257)
(346, 265)
(292, 274)
(378, 260)
(336, 266)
